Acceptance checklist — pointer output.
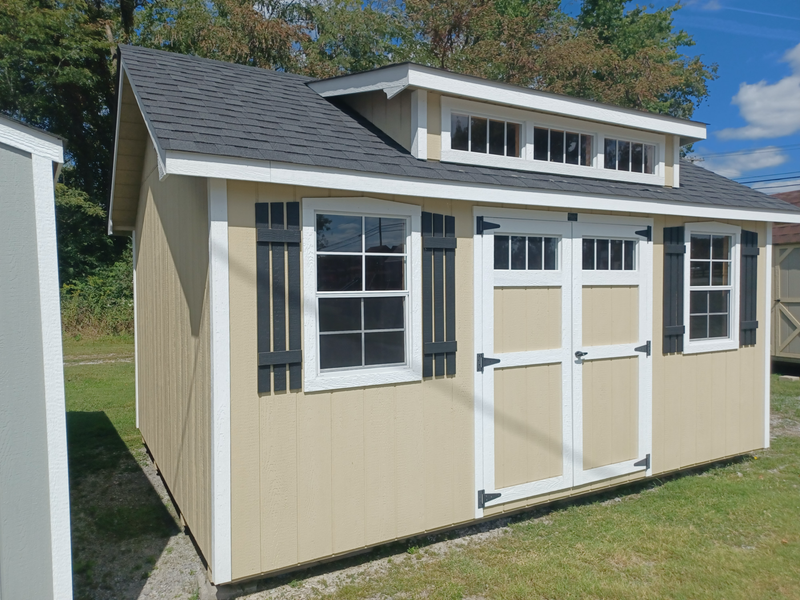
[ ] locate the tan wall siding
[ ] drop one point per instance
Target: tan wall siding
(173, 373)
(393, 117)
(434, 126)
(321, 474)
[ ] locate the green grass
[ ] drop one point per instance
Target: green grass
(729, 532)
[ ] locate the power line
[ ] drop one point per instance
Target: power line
(777, 186)
(792, 175)
(756, 151)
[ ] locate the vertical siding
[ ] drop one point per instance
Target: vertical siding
(173, 375)
(434, 126)
(392, 116)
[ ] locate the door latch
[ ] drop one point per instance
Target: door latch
(579, 355)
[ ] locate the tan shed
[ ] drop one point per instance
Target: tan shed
(786, 287)
(400, 301)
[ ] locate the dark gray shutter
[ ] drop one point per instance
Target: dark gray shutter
(438, 294)
(674, 326)
(278, 236)
(749, 289)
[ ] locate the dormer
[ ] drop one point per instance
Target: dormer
(439, 115)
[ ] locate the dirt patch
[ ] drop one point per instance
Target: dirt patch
(96, 359)
(780, 426)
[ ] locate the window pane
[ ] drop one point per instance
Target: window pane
(701, 246)
(384, 313)
(637, 158)
(698, 327)
(340, 350)
(720, 273)
(573, 149)
(501, 252)
(385, 235)
(700, 273)
(497, 137)
(384, 348)
(534, 254)
(623, 156)
(512, 139)
(338, 233)
(586, 150)
(459, 132)
(630, 255)
(337, 273)
(550, 254)
(478, 134)
(718, 302)
(339, 314)
(540, 137)
(518, 252)
(718, 326)
(616, 255)
(649, 159)
(384, 273)
(721, 247)
(556, 146)
(698, 303)
(611, 154)
(602, 255)
(588, 254)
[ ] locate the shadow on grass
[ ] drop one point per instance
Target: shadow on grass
(120, 525)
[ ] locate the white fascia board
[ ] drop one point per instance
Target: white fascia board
(219, 295)
(53, 370)
(203, 165)
(453, 84)
(27, 139)
(116, 153)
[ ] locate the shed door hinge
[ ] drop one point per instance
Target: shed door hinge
(645, 462)
(483, 497)
(646, 233)
(484, 361)
(644, 348)
(481, 225)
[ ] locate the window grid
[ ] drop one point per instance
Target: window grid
(609, 254)
(526, 253)
(624, 155)
(472, 139)
(710, 286)
(558, 145)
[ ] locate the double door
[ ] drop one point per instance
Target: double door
(563, 323)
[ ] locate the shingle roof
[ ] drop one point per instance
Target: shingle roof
(211, 107)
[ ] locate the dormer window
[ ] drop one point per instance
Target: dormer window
(621, 155)
(563, 146)
(482, 135)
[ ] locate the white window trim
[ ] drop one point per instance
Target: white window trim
(313, 379)
(716, 345)
(530, 120)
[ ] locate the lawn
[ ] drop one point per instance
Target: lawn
(727, 532)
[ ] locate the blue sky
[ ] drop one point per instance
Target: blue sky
(753, 112)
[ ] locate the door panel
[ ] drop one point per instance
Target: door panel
(610, 315)
(527, 318)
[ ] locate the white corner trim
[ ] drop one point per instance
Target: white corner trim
(676, 162)
(419, 124)
(27, 139)
(313, 379)
(219, 293)
(135, 328)
(767, 332)
(203, 165)
(55, 404)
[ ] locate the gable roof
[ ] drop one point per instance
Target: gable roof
(208, 107)
(31, 139)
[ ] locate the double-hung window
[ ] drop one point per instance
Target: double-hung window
(711, 287)
(360, 269)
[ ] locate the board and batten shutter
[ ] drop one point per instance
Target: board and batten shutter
(278, 291)
(674, 325)
(438, 295)
(749, 289)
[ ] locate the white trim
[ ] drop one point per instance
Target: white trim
(114, 163)
(219, 294)
(767, 333)
(501, 93)
(676, 162)
(313, 379)
(478, 259)
(32, 141)
(53, 370)
(204, 165)
(526, 162)
(419, 124)
(135, 328)
(713, 345)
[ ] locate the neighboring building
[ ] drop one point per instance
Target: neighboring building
(35, 550)
(786, 287)
(400, 301)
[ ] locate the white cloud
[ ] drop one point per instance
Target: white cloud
(735, 165)
(777, 187)
(771, 110)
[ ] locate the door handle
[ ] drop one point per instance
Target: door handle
(579, 355)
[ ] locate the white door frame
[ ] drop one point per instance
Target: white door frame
(559, 224)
